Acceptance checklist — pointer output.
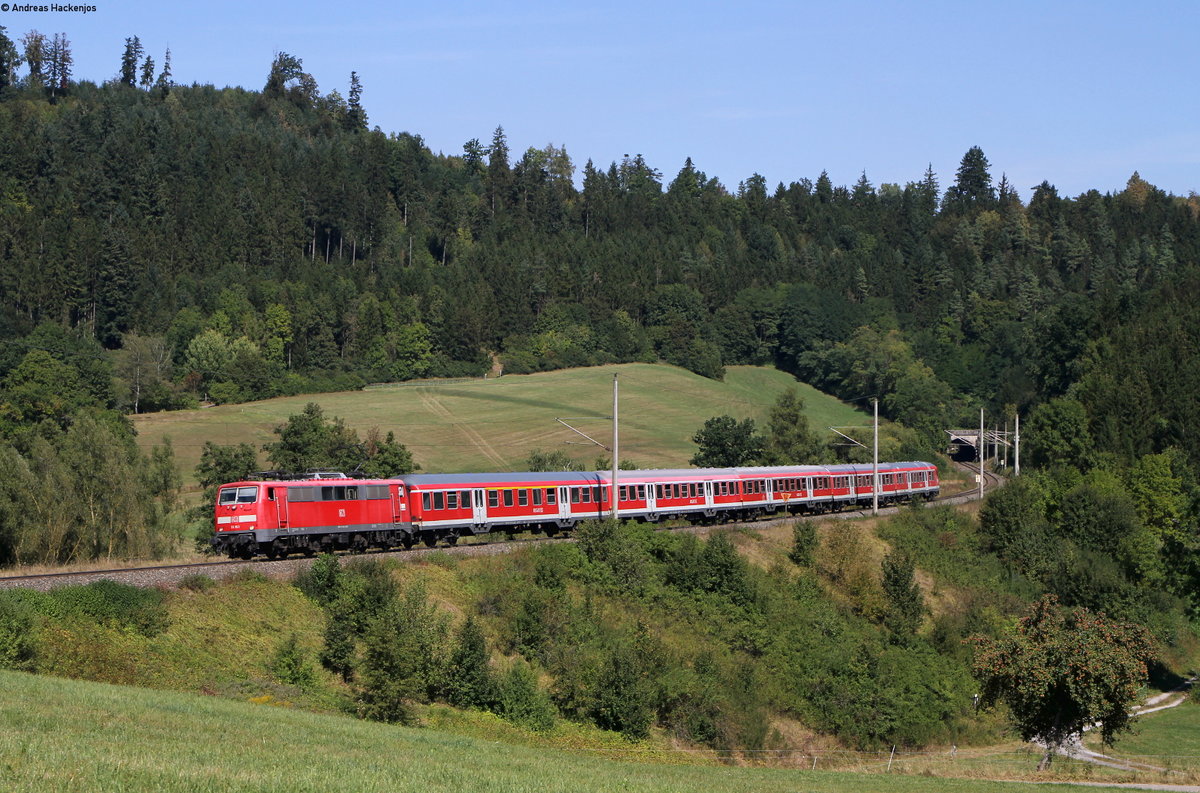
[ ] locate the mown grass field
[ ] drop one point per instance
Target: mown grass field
(1167, 738)
(494, 424)
(64, 735)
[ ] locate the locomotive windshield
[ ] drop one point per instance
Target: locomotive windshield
(238, 495)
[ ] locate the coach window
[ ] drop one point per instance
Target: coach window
(522, 498)
(574, 495)
(621, 493)
(493, 498)
(596, 494)
(587, 495)
(508, 498)
(464, 499)
(425, 501)
(551, 498)
(537, 496)
(452, 500)
(439, 500)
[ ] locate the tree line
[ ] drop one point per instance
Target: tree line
(167, 245)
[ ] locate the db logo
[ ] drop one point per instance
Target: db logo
(341, 513)
(4, 7)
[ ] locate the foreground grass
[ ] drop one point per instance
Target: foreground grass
(63, 735)
(494, 424)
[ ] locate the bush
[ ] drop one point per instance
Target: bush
(197, 582)
(469, 682)
(521, 701)
(110, 603)
(804, 540)
(17, 646)
(322, 580)
(290, 664)
(404, 652)
(621, 698)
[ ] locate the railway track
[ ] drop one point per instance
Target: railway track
(170, 575)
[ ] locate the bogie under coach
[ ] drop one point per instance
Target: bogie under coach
(275, 517)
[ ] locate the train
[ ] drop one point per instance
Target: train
(273, 516)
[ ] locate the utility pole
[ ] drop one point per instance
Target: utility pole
(980, 450)
(875, 463)
(1004, 448)
(615, 451)
(1017, 448)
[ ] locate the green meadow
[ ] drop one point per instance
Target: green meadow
(66, 735)
(494, 424)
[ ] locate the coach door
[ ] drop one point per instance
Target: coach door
(564, 502)
(708, 494)
(479, 505)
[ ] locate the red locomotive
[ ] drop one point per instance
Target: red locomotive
(330, 511)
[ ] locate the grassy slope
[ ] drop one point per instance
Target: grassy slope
(1168, 738)
(62, 735)
(494, 424)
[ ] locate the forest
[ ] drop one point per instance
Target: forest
(165, 246)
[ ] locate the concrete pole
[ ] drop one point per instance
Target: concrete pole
(875, 463)
(1004, 448)
(980, 450)
(1017, 448)
(615, 452)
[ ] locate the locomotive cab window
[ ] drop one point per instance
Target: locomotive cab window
(238, 495)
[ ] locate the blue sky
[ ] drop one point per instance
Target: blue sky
(1079, 94)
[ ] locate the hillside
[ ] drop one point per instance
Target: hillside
(58, 735)
(493, 424)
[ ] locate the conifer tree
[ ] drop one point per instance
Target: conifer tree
(129, 61)
(10, 60)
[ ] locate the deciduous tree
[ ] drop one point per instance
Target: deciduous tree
(1059, 672)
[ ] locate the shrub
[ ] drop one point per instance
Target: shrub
(621, 698)
(521, 701)
(197, 582)
(291, 665)
(322, 580)
(115, 604)
(403, 658)
(17, 646)
(804, 540)
(469, 682)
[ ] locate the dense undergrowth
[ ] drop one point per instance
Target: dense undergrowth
(854, 629)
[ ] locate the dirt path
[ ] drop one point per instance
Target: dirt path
(1075, 749)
